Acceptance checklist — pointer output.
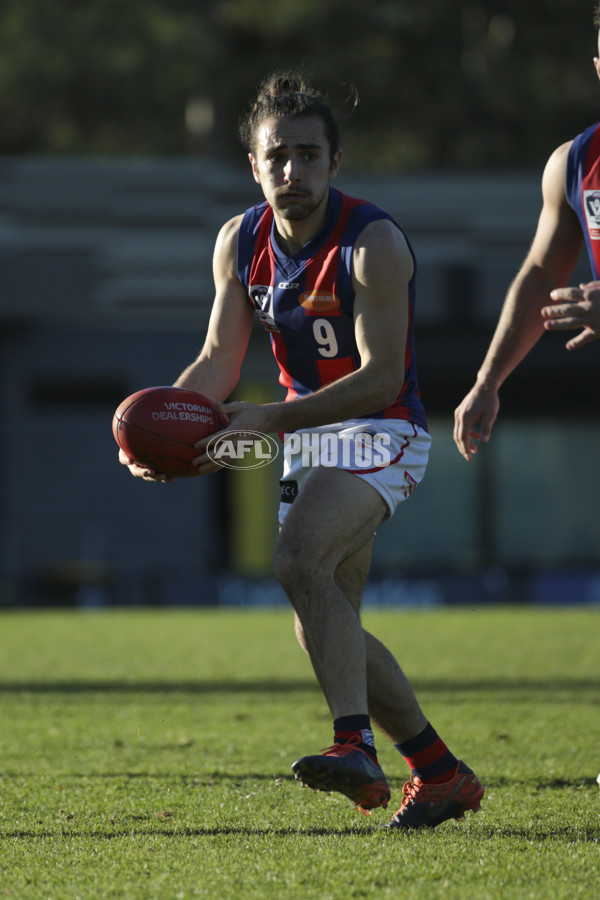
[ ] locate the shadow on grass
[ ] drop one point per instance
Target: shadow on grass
(518, 688)
(207, 831)
(534, 784)
(210, 779)
(158, 687)
(565, 834)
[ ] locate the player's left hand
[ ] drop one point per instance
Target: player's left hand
(575, 307)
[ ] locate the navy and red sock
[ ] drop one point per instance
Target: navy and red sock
(346, 728)
(428, 757)
(426, 754)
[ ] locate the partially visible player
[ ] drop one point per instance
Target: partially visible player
(332, 280)
(536, 300)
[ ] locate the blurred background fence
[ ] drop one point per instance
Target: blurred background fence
(119, 164)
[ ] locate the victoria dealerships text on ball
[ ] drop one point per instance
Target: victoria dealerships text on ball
(183, 412)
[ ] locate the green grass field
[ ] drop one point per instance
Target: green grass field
(146, 754)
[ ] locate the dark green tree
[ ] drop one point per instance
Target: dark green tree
(443, 83)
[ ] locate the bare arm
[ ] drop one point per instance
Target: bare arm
(216, 370)
(382, 269)
(549, 263)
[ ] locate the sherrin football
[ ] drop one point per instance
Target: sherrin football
(158, 427)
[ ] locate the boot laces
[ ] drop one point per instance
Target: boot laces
(415, 790)
(344, 749)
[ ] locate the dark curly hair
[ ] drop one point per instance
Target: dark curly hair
(596, 19)
(286, 95)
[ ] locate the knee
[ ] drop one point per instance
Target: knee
(288, 565)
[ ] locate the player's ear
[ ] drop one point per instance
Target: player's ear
(597, 66)
(254, 168)
(335, 164)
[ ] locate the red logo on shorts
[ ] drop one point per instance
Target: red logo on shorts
(409, 485)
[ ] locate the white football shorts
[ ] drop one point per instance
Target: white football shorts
(390, 454)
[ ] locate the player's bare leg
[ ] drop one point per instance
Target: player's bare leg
(334, 515)
(394, 709)
(393, 706)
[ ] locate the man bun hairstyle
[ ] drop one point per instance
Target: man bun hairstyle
(286, 95)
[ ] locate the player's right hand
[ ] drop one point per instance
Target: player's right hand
(141, 471)
(575, 308)
(474, 418)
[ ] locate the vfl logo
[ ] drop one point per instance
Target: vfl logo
(591, 202)
(242, 450)
(261, 296)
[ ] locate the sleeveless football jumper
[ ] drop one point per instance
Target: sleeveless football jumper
(582, 189)
(306, 302)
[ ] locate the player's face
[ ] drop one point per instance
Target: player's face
(292, 163)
